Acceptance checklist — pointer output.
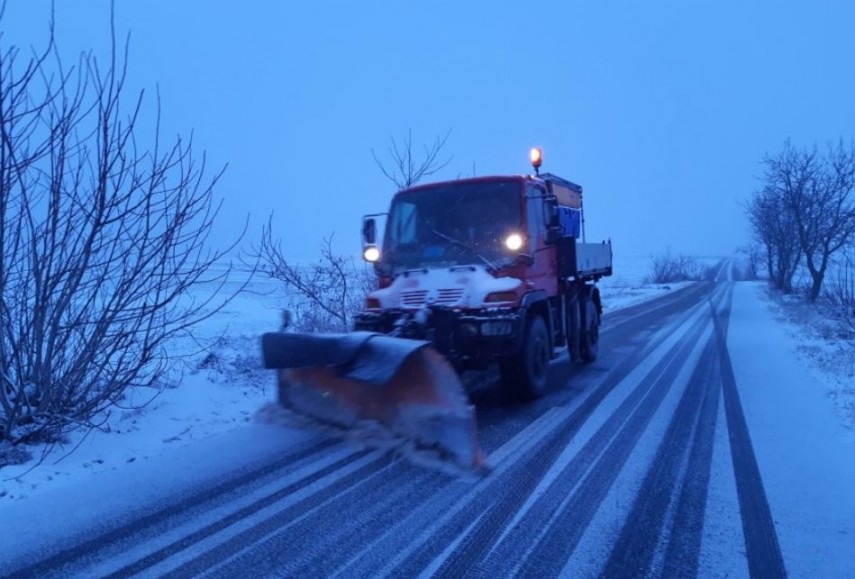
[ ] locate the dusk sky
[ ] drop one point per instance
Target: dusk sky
(661, 110)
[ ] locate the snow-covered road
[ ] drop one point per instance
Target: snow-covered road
(695, 445)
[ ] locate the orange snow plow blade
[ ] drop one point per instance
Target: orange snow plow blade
(363, 380)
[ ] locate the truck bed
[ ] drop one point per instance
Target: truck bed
(587, 261)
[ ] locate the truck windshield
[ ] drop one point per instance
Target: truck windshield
(453, 224)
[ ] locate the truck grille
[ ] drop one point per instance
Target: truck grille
(413, 299)
(419, 298)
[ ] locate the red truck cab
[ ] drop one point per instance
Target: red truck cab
(489, 269)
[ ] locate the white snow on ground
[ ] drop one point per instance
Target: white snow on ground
(804, 452)
(222, 386)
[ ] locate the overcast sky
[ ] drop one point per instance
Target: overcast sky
(661, 110)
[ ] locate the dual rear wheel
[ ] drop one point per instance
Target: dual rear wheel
(525, 375)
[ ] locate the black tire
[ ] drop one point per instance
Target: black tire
(589, 336)
(525, 375)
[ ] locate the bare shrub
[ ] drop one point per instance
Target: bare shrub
(323, 295)
(101, 240)
(669, 268)
(235, 359)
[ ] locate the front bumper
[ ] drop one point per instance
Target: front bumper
(468, 339)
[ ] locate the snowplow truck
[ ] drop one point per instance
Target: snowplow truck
(470, 273)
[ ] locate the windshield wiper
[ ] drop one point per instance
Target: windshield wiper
(466, 246)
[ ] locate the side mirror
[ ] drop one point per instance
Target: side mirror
(369, 231)
(550, 208)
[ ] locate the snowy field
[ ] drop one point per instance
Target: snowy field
(222, 387)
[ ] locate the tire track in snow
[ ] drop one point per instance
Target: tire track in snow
(303, 548)
(503, 499)
(417, 526)
(650, 313)
(761, 540)
(161, 518)
(682, 554)
(209, 530)
(575, 510)
(633, 552)
(310, 506)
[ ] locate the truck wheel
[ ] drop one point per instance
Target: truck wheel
(590, 335)
(525, 375)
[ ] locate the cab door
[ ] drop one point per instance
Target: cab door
(542, 272)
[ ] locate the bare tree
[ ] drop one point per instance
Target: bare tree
(405, 169)
(101, 241)
(774, 227)
(817, 193)
(754, 255)
(325, 294)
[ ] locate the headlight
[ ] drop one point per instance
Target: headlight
(514, 241)
(371, 254)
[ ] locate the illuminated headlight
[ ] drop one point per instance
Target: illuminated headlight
(514, 241)
(496, 328)
(371, 254)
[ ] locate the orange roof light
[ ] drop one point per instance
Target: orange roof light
(536, 156)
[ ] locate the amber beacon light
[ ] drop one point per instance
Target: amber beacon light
(536, 156)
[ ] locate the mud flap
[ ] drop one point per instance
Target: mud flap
(365, 380)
